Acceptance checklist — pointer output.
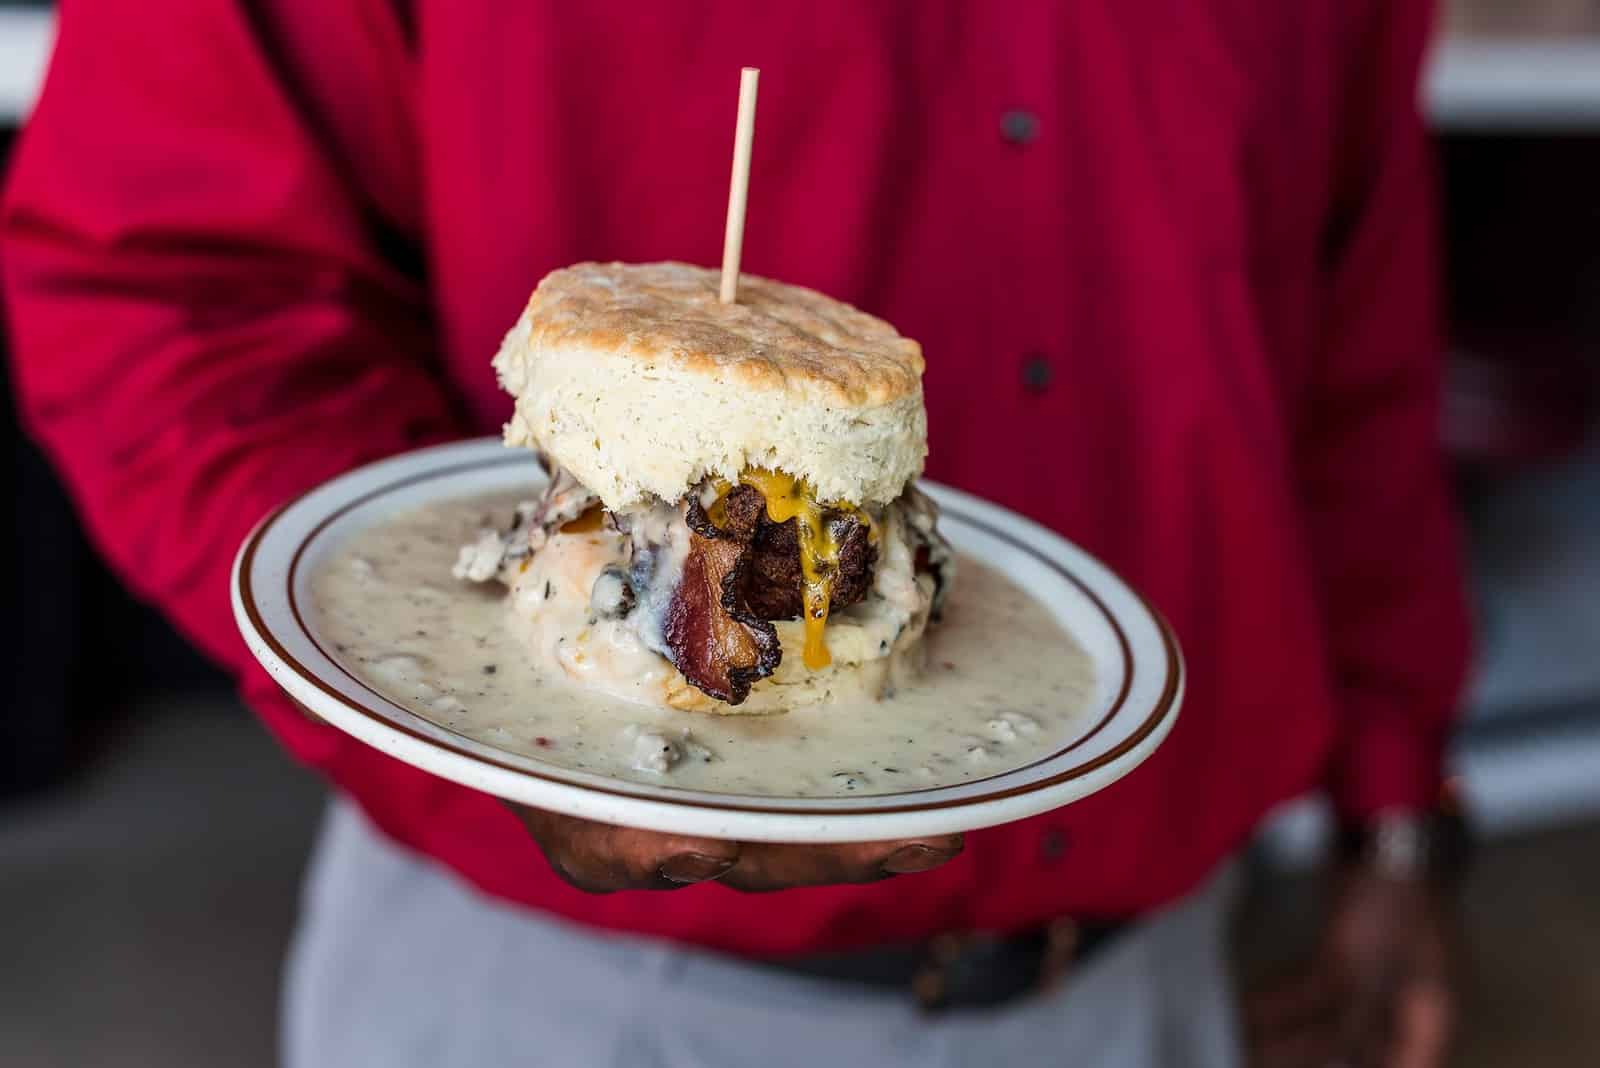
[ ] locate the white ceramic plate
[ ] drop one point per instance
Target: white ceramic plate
(1138, 670)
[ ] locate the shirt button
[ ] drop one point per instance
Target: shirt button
(1019, 127)
(1036, 372)
(1053, 844)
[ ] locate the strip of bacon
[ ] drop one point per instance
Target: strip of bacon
(721, 647)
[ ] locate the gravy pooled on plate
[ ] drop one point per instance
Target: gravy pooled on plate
(387, 607)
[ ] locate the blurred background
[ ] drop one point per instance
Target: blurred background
(152, 838)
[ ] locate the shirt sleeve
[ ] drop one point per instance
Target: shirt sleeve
(1378, 516)
(201, 325)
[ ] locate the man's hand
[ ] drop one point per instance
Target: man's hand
(1379, 990)
(600, 858)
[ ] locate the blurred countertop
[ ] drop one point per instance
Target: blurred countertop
(1499, 66)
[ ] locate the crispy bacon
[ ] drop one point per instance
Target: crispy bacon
(714, 639)
(742, 572)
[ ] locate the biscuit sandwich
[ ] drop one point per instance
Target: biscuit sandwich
(731, 522)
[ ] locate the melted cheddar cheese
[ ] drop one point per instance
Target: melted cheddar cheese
(794, 498)
(789, 498)
(591, 520)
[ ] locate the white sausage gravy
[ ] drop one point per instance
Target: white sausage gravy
(1004, 683)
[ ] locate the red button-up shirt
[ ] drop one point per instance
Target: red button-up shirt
(1171, 264)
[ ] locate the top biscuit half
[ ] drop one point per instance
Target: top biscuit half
(638, 381)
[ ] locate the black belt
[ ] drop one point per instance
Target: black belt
(964, 970)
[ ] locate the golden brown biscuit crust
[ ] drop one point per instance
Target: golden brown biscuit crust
(776, 337)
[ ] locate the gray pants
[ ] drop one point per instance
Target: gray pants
(397, 963)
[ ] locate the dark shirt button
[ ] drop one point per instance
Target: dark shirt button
(1053, 844)
(1036, 373)
(1019, 127)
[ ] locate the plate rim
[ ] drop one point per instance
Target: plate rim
(781, 824)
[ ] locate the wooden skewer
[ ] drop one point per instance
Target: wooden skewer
(739, 185)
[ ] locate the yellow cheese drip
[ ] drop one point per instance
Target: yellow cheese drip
(591, 520)
(793, 498)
